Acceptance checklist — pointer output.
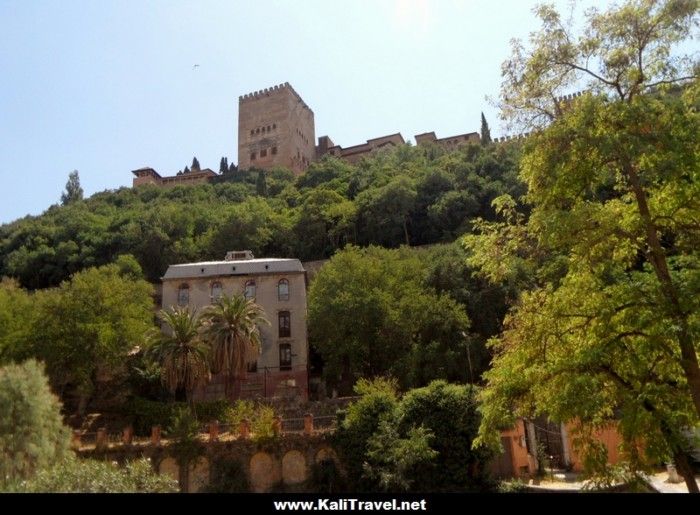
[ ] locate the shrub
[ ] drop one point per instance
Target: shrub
(145, 414)
(90, 476)
(32, 434)
(260, 416)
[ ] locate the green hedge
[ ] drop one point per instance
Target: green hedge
(145, 414)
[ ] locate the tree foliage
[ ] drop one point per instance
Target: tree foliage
(606, 327)
(420, 442)
(485, 131)
(425, 192)
(180, 350)
(32, 434)
(232, 329)
(84, 329)
(74, 475)
(624, 52)
(371, 313)
(73, 190)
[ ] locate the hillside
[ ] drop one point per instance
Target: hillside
(408, 195)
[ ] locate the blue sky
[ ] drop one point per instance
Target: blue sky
(109, 86)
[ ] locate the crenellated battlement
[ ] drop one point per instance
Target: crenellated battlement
(279, 88)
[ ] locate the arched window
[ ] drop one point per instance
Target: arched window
(285, 325)
(216, 291)
(183, 295)
(283, 289)
(249, 291)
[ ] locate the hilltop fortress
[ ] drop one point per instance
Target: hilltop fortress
(276, 129)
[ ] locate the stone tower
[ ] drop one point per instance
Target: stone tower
(275, 128)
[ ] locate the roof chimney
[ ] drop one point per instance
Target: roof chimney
(239, 255)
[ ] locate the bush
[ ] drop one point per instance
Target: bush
(90, 476)
(359, 423)
(515, 486)
(422, 442)
(32, 434)
(260, 417)
(449, 412)
(145, 414)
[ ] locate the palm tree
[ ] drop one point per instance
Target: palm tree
(231, 328)
(181, 352)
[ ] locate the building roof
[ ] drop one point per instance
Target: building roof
(146, 170)
(239, 267)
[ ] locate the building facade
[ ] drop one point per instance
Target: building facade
(275, 129)
(148, 175)
(279, 287)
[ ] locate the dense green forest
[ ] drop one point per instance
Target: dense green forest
(408, 195)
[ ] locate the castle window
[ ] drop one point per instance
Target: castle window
(268, 128)
(274, 125)
(216, 291)
(285, 356)
(283, 289)
(274, 151)
(183, 295)
(257, 131)
(252, 131)
(263, 152)
(252, 156)
(284, 319)
(249, 291)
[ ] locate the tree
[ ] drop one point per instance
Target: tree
(421, 442)
(322, 214)
(195, 165)
(15, 319)
(370, 314)
(625, 52)
(384, 212)
(449, 413)
(231, 327)
(73, 190)
(610, 324)
(378, 401)
(85, 328)
(232, 168)
(32, 434)
(261, 185)
(485, 131)
(181, 351)
(223, 166)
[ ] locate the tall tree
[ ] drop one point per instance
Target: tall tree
(195, 165)
(73, 190)
(232, 328)
(485, 131)
(223, 165)
(612, 182)
(181, 351)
